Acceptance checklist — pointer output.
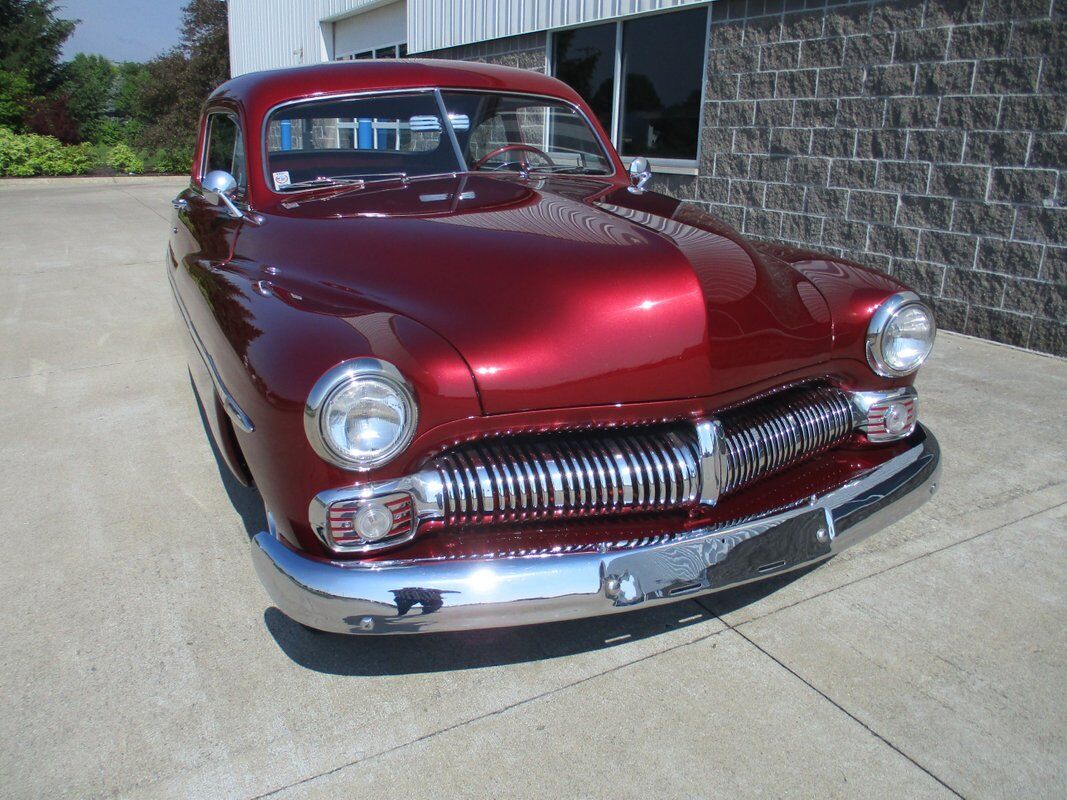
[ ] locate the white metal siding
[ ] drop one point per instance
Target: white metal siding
(268, 34)
(374, 28)
(434, 24)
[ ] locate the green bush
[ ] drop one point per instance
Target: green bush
(31, 154)
(111, 131)
(171, 161)
(122, 159)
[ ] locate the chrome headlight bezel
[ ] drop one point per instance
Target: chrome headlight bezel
(336, 379)
(879, 324)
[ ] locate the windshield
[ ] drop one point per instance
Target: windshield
(516, 132)
(378, 137)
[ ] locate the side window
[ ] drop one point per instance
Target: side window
(225, 148)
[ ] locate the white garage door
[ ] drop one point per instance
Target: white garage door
(380, 28)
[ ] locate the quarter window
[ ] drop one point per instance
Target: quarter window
(225, 148)
(643, 79)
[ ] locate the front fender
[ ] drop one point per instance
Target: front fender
(271, 341)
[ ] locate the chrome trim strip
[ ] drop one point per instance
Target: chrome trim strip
(356, 597)
(234, 411)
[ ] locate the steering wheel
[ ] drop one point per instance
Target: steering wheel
(509, 147)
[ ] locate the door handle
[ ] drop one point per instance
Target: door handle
(180, 203)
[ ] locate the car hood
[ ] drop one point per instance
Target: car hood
(557, 292)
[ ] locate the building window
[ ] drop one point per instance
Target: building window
(642, 77)
(584, 59)
(389, 51)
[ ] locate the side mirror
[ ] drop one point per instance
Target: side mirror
(640, 174)
(219, 187)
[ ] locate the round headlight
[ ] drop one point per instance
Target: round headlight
(360, 414)
(900, 336)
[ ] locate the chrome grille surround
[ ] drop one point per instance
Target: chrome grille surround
(613, 470)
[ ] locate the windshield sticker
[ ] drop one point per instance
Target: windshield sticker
(281, 179)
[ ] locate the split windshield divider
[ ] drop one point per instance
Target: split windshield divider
(446, 123)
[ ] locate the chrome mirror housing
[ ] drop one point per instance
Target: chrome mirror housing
(220, 187)
(640, 174)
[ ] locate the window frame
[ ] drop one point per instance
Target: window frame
(201, 172)
(675, 166)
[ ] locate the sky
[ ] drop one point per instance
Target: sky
(122, 30)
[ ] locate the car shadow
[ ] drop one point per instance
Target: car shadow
(246, 500)
(368, 656)
(338, 654)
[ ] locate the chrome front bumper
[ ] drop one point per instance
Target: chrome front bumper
(450, 595)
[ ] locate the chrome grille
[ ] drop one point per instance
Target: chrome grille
(568, 474)
(634, 469)
(770, 435)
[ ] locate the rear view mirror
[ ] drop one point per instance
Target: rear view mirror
(220, 187)
(640, 174)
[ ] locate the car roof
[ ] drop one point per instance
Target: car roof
(258, 92)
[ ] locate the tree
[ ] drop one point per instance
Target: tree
(176, 84)
(89, 83)
(15, 95)
(129, 83)
(31, 38)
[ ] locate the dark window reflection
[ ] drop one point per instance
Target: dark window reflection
(584, 58)
(663, 72)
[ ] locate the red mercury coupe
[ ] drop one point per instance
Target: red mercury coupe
(482, 376)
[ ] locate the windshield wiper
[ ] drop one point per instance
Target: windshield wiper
(381, 176)
(561, 169)
(320, 181)
(343, 180)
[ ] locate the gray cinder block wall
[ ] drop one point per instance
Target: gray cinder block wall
(925, 138)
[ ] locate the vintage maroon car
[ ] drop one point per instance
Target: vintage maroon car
(482, 377)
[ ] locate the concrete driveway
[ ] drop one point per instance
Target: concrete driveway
(139, 656)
